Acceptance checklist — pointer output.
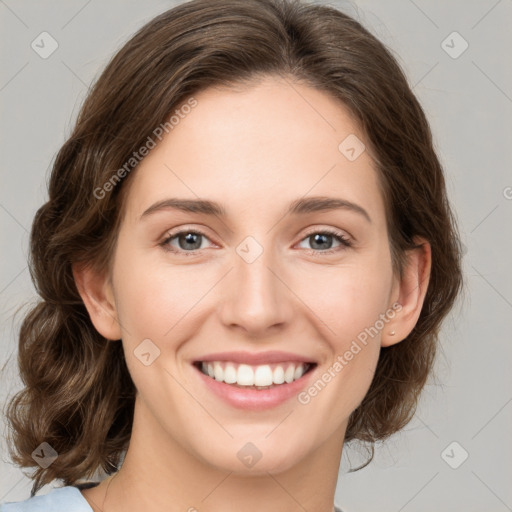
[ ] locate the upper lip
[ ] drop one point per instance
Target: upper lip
(255, 358)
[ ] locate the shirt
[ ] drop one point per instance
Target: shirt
(60, 499)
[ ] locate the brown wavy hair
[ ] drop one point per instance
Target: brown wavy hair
(78, 395)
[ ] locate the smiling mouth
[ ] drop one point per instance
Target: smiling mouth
(264, 376)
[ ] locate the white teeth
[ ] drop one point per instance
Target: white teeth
(263, 376)
(245, 375)
(278, 375)
(260, 376)
(218, 371)
(289, 374)
(230, 374)
(299, 371)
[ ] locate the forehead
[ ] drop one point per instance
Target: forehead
(258, 147)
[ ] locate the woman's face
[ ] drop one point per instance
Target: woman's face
(261, 287)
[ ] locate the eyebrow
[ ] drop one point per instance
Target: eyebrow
(300, 206)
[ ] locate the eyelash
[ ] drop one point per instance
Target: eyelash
(338, 235)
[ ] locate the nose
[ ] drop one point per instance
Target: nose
(256, 298)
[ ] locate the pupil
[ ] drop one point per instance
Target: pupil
(321, 237)
(191, 238)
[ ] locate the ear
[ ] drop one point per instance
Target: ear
(97, 293)
(409, 293)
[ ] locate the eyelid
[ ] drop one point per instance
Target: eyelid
(346, 241)
(331, 230)
(174, 232)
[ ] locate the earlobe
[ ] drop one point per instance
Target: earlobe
(97, 294)
(410, 293)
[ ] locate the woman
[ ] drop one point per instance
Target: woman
(244, 263)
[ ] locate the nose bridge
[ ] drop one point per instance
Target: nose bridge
(257, 298)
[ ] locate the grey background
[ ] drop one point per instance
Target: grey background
(468, 100)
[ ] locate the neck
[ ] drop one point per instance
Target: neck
(158, 473)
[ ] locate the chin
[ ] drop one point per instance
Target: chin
(254, 458)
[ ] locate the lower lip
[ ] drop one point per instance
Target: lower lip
(255, 399)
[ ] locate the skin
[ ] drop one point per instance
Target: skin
(254, 151)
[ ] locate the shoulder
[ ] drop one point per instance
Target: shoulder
(61, 499)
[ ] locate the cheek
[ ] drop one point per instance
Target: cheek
(161, 303)
(347, 299)
(151, 298)
(351, 303)
(154, 303)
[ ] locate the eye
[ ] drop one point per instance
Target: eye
(188, 241)
(321, 241)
